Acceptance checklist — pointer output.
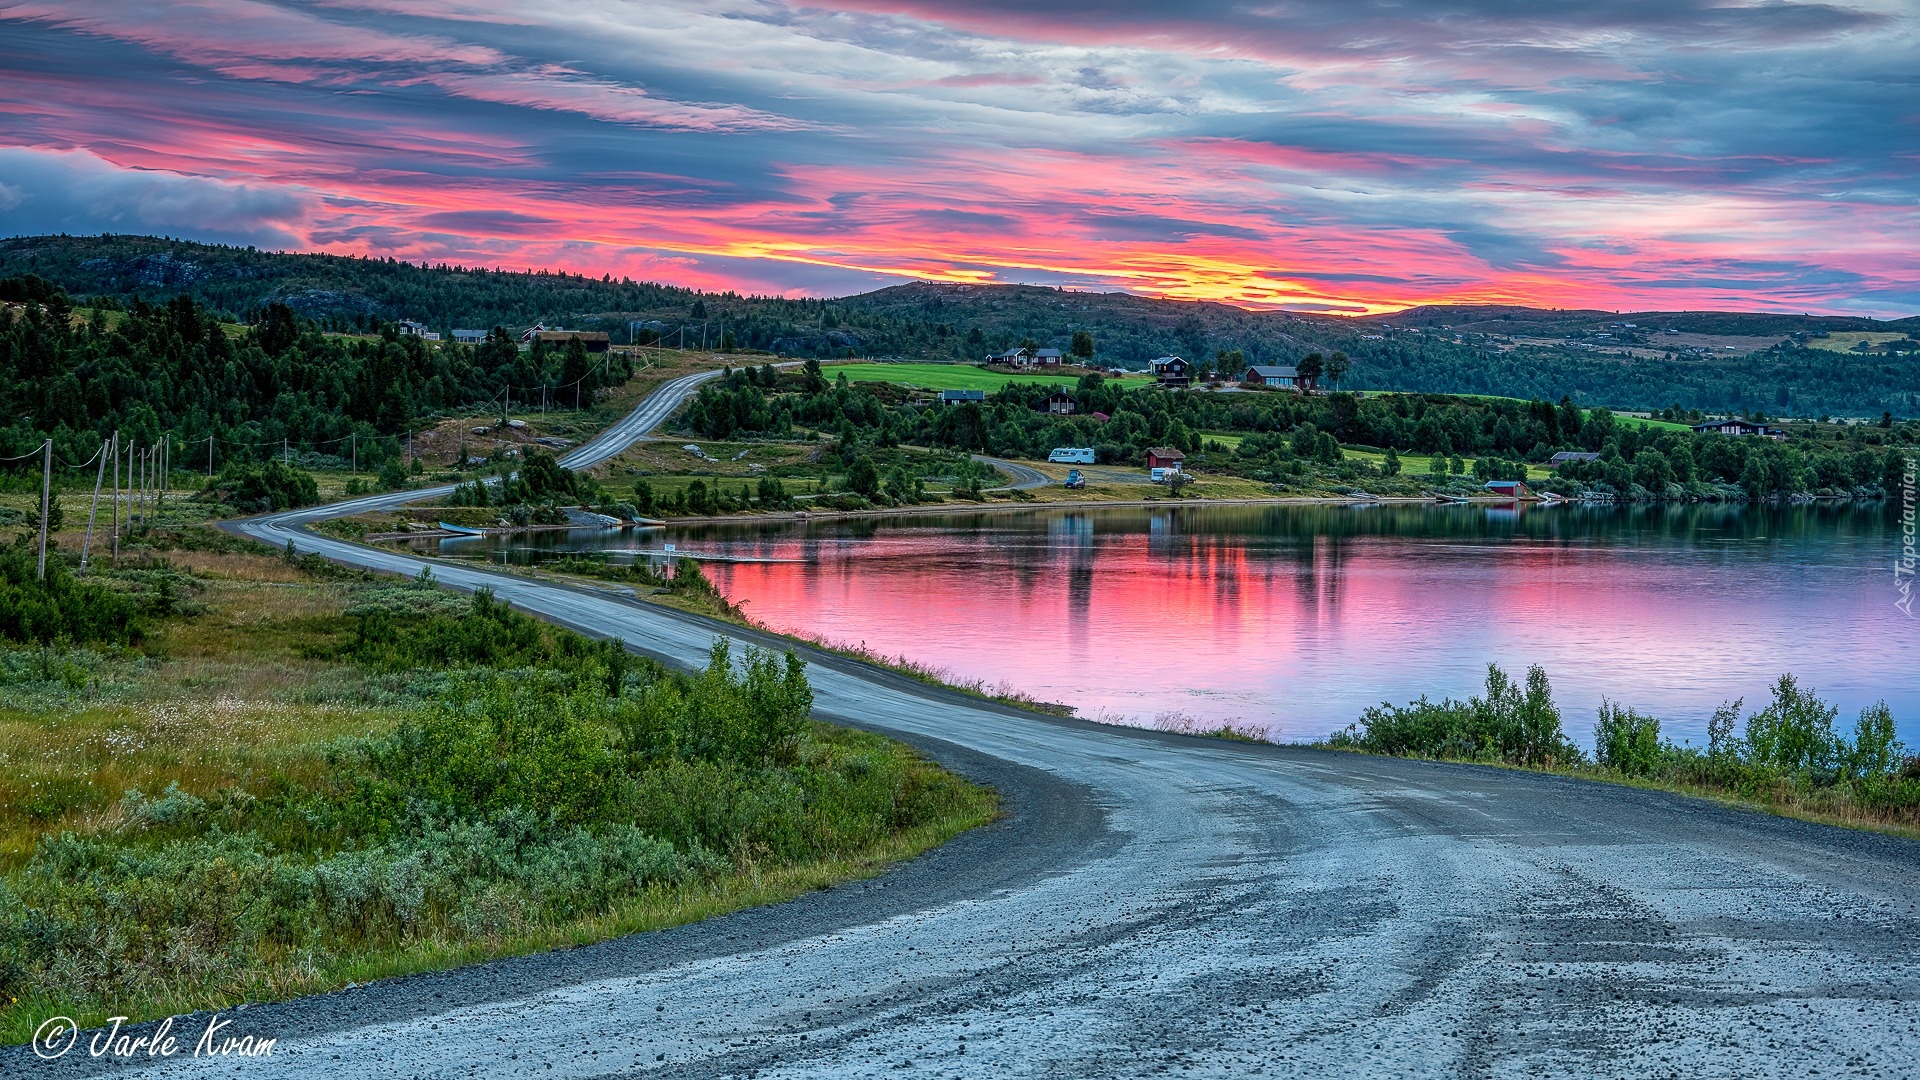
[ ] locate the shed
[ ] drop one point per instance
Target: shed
(1512, 489)
(1164, 457)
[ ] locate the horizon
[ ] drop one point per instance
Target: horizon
(1319, 159)
(1252, 310)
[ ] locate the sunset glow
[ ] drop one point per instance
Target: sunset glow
(1346, 158)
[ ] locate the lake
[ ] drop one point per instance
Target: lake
(1292, 619)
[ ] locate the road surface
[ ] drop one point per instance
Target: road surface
(1159, 905)
(1024, 477)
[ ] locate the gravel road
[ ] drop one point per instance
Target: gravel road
(1163, 905)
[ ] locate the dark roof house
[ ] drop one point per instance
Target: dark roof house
(958, 397)
(1273, 375)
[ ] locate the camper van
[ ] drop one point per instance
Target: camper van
(1072, 455)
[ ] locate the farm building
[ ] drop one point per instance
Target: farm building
(1165, 457)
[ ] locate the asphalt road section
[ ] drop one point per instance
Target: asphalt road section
(1160, 905)
(1024, 477)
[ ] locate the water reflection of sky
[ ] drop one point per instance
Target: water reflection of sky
(1297, 618)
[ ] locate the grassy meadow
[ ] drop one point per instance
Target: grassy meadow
(277, 777)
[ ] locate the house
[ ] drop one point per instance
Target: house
(1733, 425)
(1012, 358)
(1283, 375)
(961, 397)
(409, 328)
(470, 337)
(1061, 403)
(594, 340)
(527, 335)
(1165, 457)
(1170, 370)
(1511, 489)
(1565, 456)
(1047, 357)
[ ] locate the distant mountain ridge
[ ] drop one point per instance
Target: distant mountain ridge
(1487, 349)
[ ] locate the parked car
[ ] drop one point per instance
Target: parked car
(1074, 480)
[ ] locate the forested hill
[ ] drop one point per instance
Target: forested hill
(1714, 361)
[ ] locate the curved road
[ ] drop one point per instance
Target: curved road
(1024, 477)
(1162, 905)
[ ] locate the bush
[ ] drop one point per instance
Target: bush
(1512, 724)
(1625, 741)
(264, 487)
(62, 607)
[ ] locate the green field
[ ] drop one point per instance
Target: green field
(1845, 340)
(944, 376)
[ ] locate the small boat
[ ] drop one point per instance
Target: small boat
(461, 530)
(649, 523)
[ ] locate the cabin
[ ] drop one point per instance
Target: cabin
(409, 328)
(1733, 425)
(1565, 456)
(596, 341)
(1047, 357)
(1165, 457)
(1285, 376)
(961, 397)
(470, 337)
(1061, 403)
(1011, 358)
(1171, 371)
(1511, 489)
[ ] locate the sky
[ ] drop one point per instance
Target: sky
(1343, 156)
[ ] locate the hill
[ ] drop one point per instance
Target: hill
(1715, 361)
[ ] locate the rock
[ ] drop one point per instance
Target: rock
(516, 423)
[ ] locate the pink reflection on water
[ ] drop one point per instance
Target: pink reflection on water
(1294, 631)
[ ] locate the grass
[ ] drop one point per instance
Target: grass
(251, 710)
(1844, 340)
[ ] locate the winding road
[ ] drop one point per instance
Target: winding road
(1161, 905)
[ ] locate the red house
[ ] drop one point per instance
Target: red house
(1164, 457)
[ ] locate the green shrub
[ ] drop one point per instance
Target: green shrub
(1514, 724)
(62, 607)
(263, 487)
(1625, 741)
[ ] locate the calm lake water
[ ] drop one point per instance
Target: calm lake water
(1295, 618)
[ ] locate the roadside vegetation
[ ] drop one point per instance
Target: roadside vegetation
(1789, 757)
(227, 775)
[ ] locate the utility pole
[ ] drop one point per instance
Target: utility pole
(353, 441)
(86, 543)
(46, 500)
(286, 451)
(409, 451)
(209, 457)
(166, 473)
(116, 498)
